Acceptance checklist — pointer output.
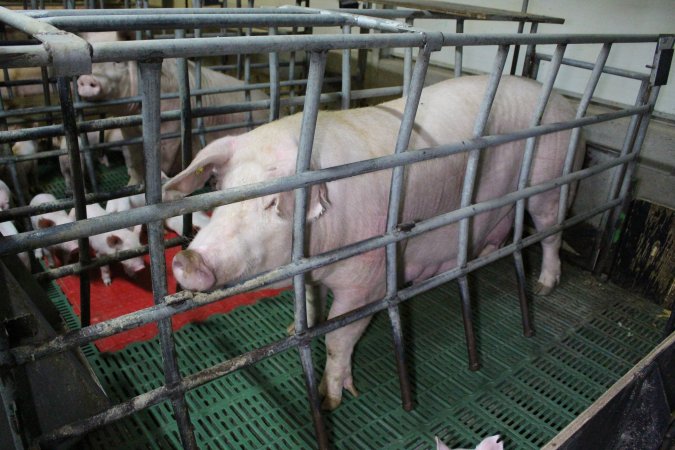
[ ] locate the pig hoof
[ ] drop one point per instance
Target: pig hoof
(330, 403)
(542, 289)
(290, 330)
(107, 282)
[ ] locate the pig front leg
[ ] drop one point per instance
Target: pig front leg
(315, 301)
(339, 348)
(105, 275)
(133, 158)
(544, 211)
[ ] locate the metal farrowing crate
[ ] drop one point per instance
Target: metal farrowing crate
(67, 55)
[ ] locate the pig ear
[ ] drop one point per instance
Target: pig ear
(113, 241)
(318, 203)
(45, 223)
(440, 445)
(491, 443)
(207, 162)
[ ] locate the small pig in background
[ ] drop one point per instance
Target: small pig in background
(111, 80)
(69, 249)
(5, 196)
(27, 171)
(8, 229)
(111, 242)
(490, 443)
(94, 137)
(199, 219)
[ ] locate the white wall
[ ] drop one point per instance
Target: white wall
(581, 16)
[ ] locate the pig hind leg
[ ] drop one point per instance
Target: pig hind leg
(543, 209)
(339, 348)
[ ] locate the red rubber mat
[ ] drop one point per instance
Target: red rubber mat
(126, 295)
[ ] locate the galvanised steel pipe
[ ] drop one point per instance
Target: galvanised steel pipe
(586, 65)
(150, 89)
(317, 66)
(576, 133)
(97, 225)
(393, 216)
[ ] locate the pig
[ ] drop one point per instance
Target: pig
(112, 242)
(94, 137)
(68, 250)
(8, 229)
(253, 236)
(489, 443)
(120, 79)
(199, 218)
(5, 196)
(27, 170)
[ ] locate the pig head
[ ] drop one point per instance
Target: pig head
(254, 235)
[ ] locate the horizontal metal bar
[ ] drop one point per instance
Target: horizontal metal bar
(97, 225)
(216, 371)
(68, 53)
(587, 65)
(185, 300)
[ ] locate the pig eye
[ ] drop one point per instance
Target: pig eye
(271, 203)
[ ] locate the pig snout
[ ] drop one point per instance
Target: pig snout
(192, 272)
(133, 266)
(88, 87)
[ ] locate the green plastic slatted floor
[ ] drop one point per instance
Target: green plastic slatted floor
(587, 336)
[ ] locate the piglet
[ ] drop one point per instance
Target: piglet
(490, 443)
(5, 196)
(111, 242)
(67, 249)
(8, 229)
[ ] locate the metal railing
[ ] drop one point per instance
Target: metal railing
(392, 34)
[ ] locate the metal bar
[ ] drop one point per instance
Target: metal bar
(407, 65)
(275, 87)
(113, 221)
(516, 48)
(69, 125)
(525, 168)
(150, 88)
(608, 70)
(196, 380)
(529, 63)
(393, 216)
(480, 125)
(346, 73)
(247, 81)
(186, 122)
(317, 68)
(85, 151)
(459, 50)
(576, 133)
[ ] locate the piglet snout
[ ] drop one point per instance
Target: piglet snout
(88, 86)
(192, 272)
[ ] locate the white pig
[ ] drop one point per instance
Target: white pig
(120, 79)
(69, 249)
(111, 242)
(489, 443)
(199, 218)
(5, 196)
(255, 235)
(8, 229)
(94, 137)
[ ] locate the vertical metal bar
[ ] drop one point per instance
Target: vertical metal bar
(85, 150)
(150, 95)
(618, 173)
(46, 94)
(198, 83)
(247, 81)
(525, 168)
(186, 124)
(516, 48)
(528, 64)
(459, 50)
(317, 68)
(576, 133)
(467, 196)
(275, 94)
(11, 165)
(346, 97)
(70, 128)
(393, 217)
